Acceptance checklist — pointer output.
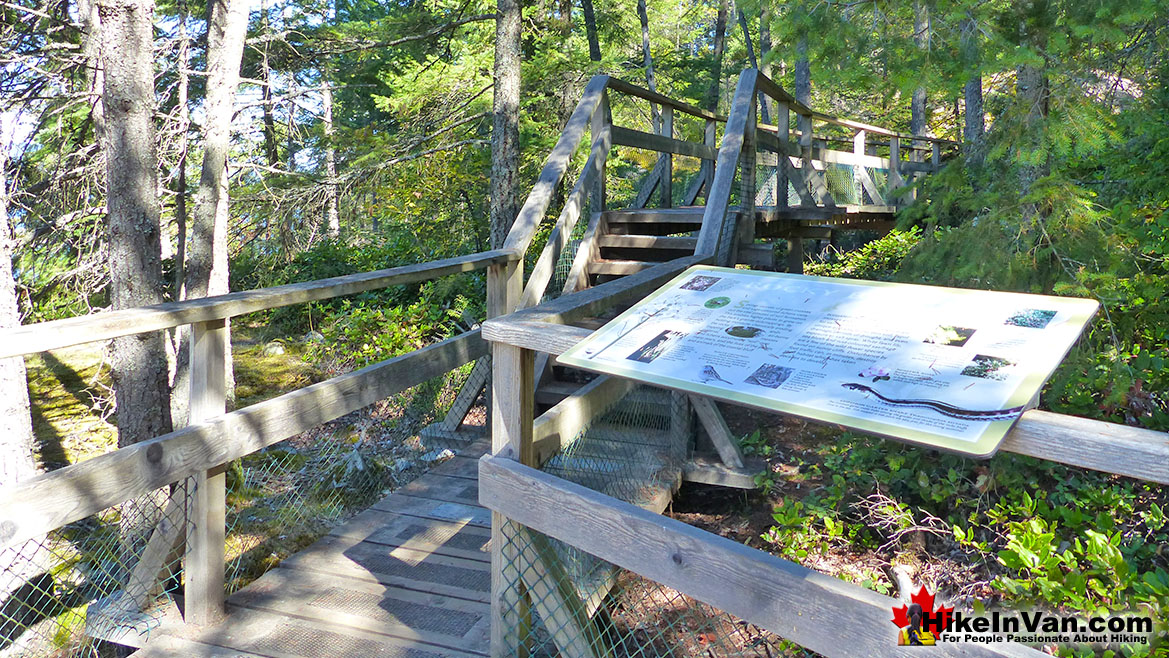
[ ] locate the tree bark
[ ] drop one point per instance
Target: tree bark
(505, 132)
(17, 445)
(207, 268)
(803, 72)
(332, 212)
(643, 16)
(716, 67)
(921, 37)
(181, 165)
(974, 125)
(139, 362)
(591, 30)
(270, 151)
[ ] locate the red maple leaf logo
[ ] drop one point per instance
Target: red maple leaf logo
(923, 597)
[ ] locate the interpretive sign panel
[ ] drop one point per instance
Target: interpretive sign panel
(943, 367)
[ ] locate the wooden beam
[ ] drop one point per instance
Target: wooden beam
(477, 381)
(719, 195)
(667, 160)
(601, 126)
(780, 596)
(1110, 447)
(33, 338)
(536, 205)
(49, 501)
(544, 337)
(716, 428)
(652, 142)
(545, 266)
(560, 425)
(632, 90)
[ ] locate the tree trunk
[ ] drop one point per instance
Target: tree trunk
(974, 120)
(207, 268)
(716, 67)
(332, 212)
(139, 362)
(270, 151)
(921, 36)
(505, 131)
(803, 72)
(17, 445)
(591, 30)
(643, 16)
(91, 49)
(181, 165)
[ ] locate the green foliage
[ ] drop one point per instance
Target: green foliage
(877, 260)
(1063, 538)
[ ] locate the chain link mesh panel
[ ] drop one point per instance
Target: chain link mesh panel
(96, 578)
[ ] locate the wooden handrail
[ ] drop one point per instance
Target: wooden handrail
(43, 336)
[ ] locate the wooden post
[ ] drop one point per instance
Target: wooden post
(895, 181)
(805, 124)
(709, 137)
(602, 121)
(858, 149)
(205, 548)
(512, 402)
(742, 229)
(667, 181)
(782, 119)
(936, 160)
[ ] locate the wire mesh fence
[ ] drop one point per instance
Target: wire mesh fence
(114, 572)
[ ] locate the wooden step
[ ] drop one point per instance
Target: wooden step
(684, 215)
(618, 267)
(648, 242)
(553, 392)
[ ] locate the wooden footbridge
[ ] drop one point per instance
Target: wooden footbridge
(514, 547)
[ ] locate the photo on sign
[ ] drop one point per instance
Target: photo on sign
(717, 302)
(769, 375)
(988, 367)
(701, 282)
(655, 347)
(950, 336)
(1033, 318)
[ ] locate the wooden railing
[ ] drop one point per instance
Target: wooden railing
(201, 450)
(214, 438)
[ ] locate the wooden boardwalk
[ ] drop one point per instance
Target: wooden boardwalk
(408, 578)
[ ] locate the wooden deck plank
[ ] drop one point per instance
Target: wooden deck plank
(438, 537)
(460, 467)
(396, 567)
(445, 488)
(431, 509)
(420, 617)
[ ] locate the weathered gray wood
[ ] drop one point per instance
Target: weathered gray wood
(536, 205)
(618, 267)
(1093, 444)
(649, 242)
(680, 215)
(795, 254)
(468, 394)
(593, 301)
(586, 251)
(51, 500)
(895, 180)
(33, 338)
(780, 596)
(739, 228)
(798, 178)
(654, 97)
(650, 184)
(716, 428)
(667, 160)
(719, 195)
(512, 398)
(545, 266)
(560, 425)
(783, 121)
(546, 337)
(652, 142)
(204, 564)
(602, 130)
(711, 470)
